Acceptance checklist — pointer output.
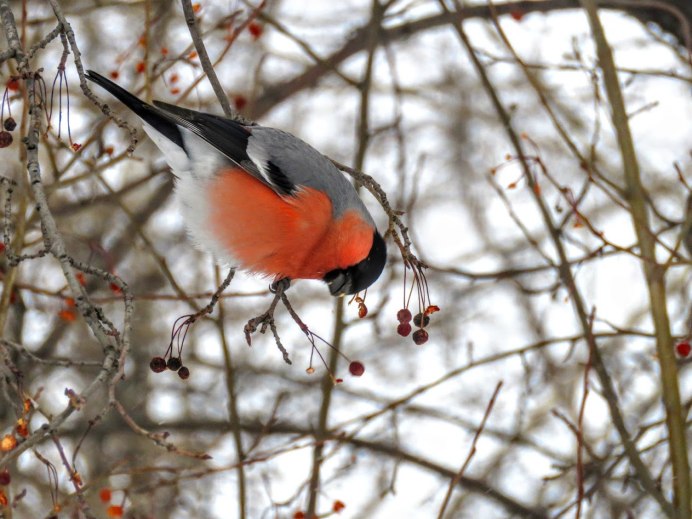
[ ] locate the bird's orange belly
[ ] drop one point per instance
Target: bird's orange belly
(284, 236)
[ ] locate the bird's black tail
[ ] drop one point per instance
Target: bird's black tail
(151, 115)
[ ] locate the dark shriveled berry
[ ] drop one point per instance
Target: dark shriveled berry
(184, 373)
(157, 364)
(417, 320)
(5, 478)
(9, 124)
(356, 368)
(403, 329)
(5, 139)
(174, 363)
(404, 315)
(420, 336)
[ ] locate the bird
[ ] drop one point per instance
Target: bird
(261, 199)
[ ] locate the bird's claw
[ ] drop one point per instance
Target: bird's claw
(280, 284)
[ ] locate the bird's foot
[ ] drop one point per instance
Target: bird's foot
(280, 285)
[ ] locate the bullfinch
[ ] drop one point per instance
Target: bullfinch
(261, 199)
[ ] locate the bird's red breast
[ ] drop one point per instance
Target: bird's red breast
(286, 236)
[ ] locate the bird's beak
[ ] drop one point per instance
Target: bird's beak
(339, 284)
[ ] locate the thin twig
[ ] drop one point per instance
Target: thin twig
(204, 60)
(472, 451)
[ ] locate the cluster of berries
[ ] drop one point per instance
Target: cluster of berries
(8, 125)
(421, 320)
(159, 364)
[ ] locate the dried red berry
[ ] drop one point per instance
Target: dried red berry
(417, 320)
(5, 477)
(403, 329)
(174, 363)
(683, 348)
(157, 364)
(184, 373)
(420, 336)
(114, 511)
(105, 495)
(240, 101)
(67, 315)
(362, 310)
(255, 30)
(13, 84)
(140, 67)
(338, 506)
(9, 124)
(431, 309)
(404, 315)
(356, 368)
(114, 74)
(516, 15)
(5, 139)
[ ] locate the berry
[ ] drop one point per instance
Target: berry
(310, 370)
(255, 30)
(5, 139)
(157, 364)
(403, 329)
(174, 363)
(356, 368)
(114, 511)
(105, 495)
(7, 443)
(240, 101)
(184, 373)
(417, 320)
(338, 506)
(13, 84)
(420, 336)
(5, 477)
(404, 315)
(9, 124)
(683, 348)
(432, 309)
(362, 310)
(114, 74)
